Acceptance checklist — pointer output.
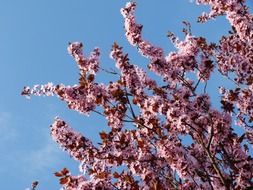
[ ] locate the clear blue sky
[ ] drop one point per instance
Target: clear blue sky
(33, 39)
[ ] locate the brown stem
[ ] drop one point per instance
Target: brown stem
(214, 164)
(129, 103)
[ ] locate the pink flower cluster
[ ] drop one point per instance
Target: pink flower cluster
(76, 145)
(90, 64)
(152, 153)
(133, 34)
(131, 75)
(236, 12)
(38, 90)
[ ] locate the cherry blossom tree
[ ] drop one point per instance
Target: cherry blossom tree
(151, 154)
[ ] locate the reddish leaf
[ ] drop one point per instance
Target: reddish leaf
(64, 180)
(58, 174)
(116, 175)
(103, 135)
(65, 171)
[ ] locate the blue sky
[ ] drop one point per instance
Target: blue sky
(33, 40)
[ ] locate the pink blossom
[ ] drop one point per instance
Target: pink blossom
(71, 141)
(90, 64)
(151, 152)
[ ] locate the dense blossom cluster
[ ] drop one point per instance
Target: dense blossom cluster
(73, 142)
(90, 64)
(152, 154)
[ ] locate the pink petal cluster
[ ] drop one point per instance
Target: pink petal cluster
(133, 34)
(131, 75)
(152, 154)
(73, 142)
(90, 64)
(38, 90)
(236, 12)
